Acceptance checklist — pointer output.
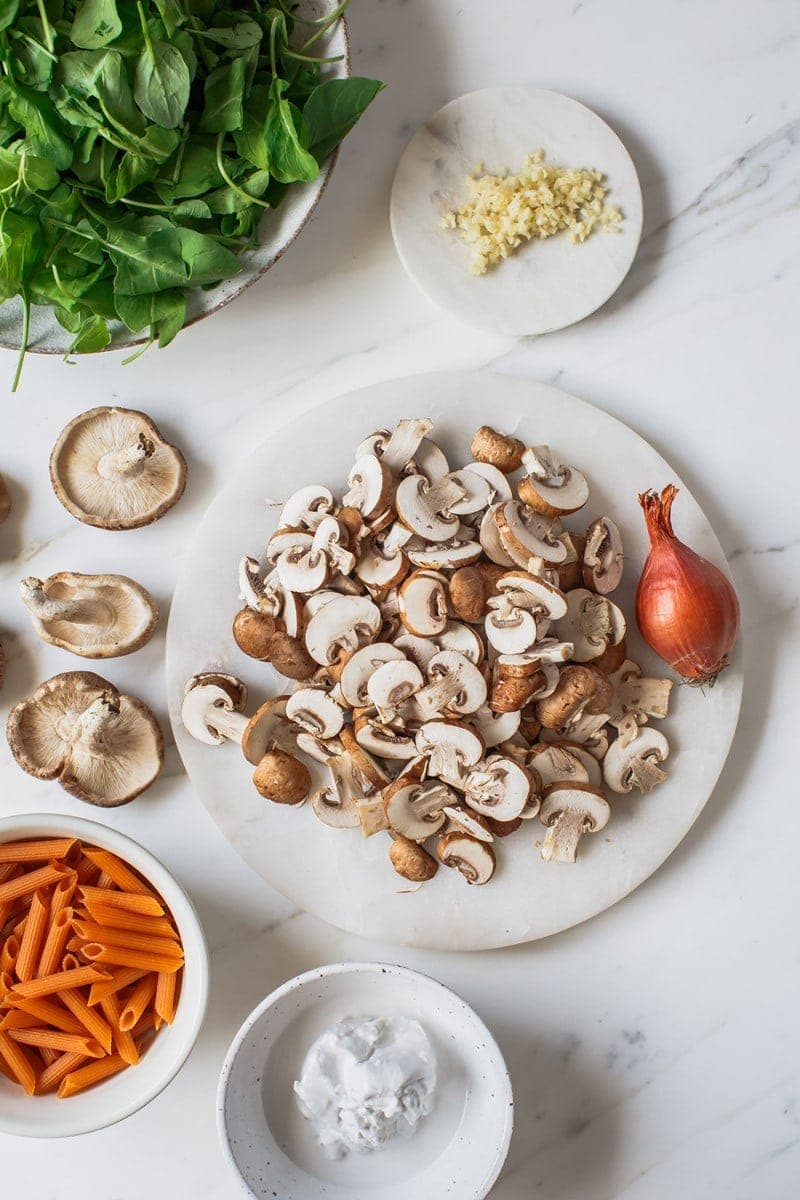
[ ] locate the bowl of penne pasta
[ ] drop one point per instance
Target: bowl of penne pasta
(103, 976)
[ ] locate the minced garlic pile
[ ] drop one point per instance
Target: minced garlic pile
(505, 210)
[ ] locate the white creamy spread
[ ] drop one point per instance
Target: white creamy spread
(365, 1081)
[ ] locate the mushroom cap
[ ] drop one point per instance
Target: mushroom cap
(474, 859)
(341, 624)
(603, 556)
(423, 603)
(108, 615)
(51, 737)
(578, 798)
(114, 501)
(500, 449)
(619, 764)
(207, 691)
(359, 668)
(411, 860)
(469, 591)
(253, 631)
(282, 778)
(579, 689)
(315, 711)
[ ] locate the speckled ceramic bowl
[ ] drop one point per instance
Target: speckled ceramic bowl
(277, 231)
(456, 1151)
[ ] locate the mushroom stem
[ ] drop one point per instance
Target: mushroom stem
(444, 762)
(77, 611)
(436, 696)
(443, 494)
(93, 723)
(431, 801)
(128, 462)
(230, 725)
(562, 837)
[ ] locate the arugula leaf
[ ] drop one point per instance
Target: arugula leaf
(162, 83)
(224, 92)
(44, 130)
(289, 161)
(333, 108)
(95, 24)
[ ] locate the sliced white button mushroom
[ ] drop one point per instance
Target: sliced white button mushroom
(592, 623)
(341, 627)
(316, 712)
(526, 535)
(416, 812)
(306, 507)
(369, 486)
(473, 859)
(212, 708)
(358, 670)
(102, 747)
(603, 557)
(426, 509)
(112, 468)
(569, 811)
(449, 748)
(635, 763)
(391, 685)
(549, 487)
(423, 603)
(95, 616)
(498, 787)
(454, 684)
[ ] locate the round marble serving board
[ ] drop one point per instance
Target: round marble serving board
(277, 229)
(337, 874)
(544, 285)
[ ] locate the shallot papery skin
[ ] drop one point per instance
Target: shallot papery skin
(687, 609)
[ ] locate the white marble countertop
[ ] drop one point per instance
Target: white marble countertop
(654, 1050)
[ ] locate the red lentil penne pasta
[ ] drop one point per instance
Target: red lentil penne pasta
(147, 1024)
(22, 885)
(130, 901)
(108, 936)
(166, 989)
(60, 981)
(117, 918)
(53, 1039)
(32, 941)
(47, 1056)
(115, 983)
(62, 895)
(137, 1002)
(19, 1063)
(93, 1072)
(8, 955)
(124, 1044)
(51, 1076)
(121, 956)
(47, 1012)
(70, 962)
(55, 942)
(89, 1018)
(41, 850)
(87, 872)
(15, 1018)
(118, 871)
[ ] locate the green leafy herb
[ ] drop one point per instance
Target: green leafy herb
(141, 142)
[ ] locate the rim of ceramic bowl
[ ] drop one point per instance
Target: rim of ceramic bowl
(326, 170)
(52, 824)
(355, 967)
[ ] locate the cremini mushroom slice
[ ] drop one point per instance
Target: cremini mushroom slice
(570, 810)
(473, 859)
(459, 637)
(415, 811)
(478, 492)
(592, 623)
(525, 534)
(558, 763)
(5, 499)
(422, 600)
(500, 449)
(580, 689)
(419, 650)
(369, 486)
(638, 694)
(112, 468)
(500, 488)
(213, 708)
(450, 749)
(372, 815)
(603, 556)
(590, 764)
(521, 612)
(589, 730)
(460, 819)
(301, 567)
(282, 778)
(95, 616)
(360, 667)
(384, 740)
(454, 685)
(498, 787)
(334, 808)
(549, 487)
(494, 727)
(392, 684)
(102, 747)
(397, 450)
(427, 508)
(489, 537)
(380, 567)
(569, 573)
(253, 632)
(446, 556)
(517, 680)
(315, 711)
(306, 507)
(411, 860)
(635, 763)
(342, 626)
(269, 729)
(266, 594)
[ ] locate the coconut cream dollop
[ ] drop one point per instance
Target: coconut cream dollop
(366, 1081)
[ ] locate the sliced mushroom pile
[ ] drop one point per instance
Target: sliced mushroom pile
(459, 666)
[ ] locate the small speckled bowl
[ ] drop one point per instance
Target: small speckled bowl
(456, 1152)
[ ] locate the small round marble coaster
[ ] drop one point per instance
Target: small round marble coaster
(544, 285)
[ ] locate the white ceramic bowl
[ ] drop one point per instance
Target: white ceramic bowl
(130, 1090)
(456, 1151)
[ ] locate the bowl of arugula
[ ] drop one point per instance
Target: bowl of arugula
(158, 156)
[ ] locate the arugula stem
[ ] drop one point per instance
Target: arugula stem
(145, 30)
(138, 353)
(231, 183)
(47, 28)
(325, 25)
(309, 59)
(26, 325)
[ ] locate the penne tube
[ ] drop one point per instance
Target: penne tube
(40, 850)
(15, 1018)
(114, 983)
(19, 1062)
(88, 1018)
(51, 1076)
(121, 956)
(138, 1001)
(26, 884)
(93, 1072)
(62, 895)
(32, 941)
(6, 984)
(70, 962)
(117, 918)
(130, 901)
(87, 872)
(8, 955)
(124, 1044)
(47, 1012)
(106, 935)
(146, 1024)
(55, 942)
(118, 871)
(104, 881)
(164, 1004)
(47, 1056)
(48, 985)
(53, 1039)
